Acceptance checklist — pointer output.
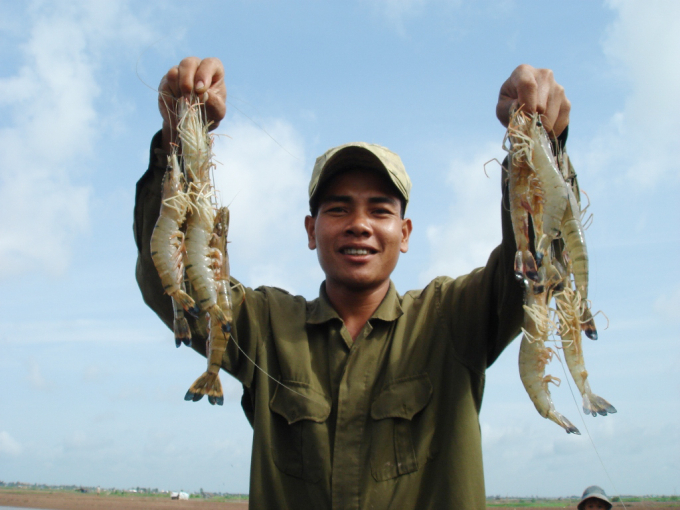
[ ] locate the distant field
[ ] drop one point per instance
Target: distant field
(71, 500)
(551, 504)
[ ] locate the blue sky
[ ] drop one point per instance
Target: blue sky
(92, 383)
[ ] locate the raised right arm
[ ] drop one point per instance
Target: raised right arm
(206, 78)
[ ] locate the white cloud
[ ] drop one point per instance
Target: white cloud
(35, 375)
(397, 10)
(9, 447)
(643, 44)
(473, 224)
(81, 330)
(265, 188)
(49, 106)
(668, 304)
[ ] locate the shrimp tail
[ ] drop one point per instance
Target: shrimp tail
(594, 405)
(542, 248)
(182, 332)
(187, 302)
(207, 384)
(563, 422)
(218, 313)
(180, 325)
(525, 265)
(588, 324)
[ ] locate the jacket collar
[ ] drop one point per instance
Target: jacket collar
(320, 310)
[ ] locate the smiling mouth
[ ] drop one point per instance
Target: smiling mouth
(356, 251)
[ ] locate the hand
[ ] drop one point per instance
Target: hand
(536, 91)
(205, 78)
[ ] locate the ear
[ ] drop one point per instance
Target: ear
(310, 227)
(406, 229)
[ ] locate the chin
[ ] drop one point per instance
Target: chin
(361, 284)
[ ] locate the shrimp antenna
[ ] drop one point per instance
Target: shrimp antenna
(263, 129)
(499, 164)
(139, 58)
(590, 437)
(267, 374)
(588, 197)
(587, 224)
(163, 95)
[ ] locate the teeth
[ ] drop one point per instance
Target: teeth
(356, 251)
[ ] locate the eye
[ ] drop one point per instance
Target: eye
(335, 209)
(383, 211)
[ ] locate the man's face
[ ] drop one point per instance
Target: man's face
(358, 231)
(594, 504)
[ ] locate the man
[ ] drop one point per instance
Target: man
(374, 397)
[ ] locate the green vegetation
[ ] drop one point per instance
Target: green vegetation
(491, 501)
(533, 502)
(137, 492)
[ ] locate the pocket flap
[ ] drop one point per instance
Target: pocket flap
(298, 401)
(403, 398)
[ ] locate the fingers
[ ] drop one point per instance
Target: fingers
(562, 120)
(168, 91)
(204, 77)
(186, 74)
(536, 91)
(209, 81)
(216, 108)
(199, 76)
(519, 90)
(209, 75)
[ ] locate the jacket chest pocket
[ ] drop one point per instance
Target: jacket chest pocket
(300, 445)
(401, 440)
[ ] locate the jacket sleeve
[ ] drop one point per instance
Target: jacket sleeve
(483, 309)
(147, 207)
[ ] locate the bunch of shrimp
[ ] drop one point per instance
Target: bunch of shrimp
(194, 241)
(540, 190)
(209, 383)
(537, 189)
(168, 247)
(201, 256)
(534, 355)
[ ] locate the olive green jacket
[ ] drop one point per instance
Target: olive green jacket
(389, 421)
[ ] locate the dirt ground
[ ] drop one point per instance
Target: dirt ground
(74, 501)
(617, 506)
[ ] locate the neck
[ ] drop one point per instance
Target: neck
(355, 306)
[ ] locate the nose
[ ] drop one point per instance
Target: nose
(359, 225)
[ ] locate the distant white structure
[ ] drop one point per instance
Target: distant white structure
(179, 495)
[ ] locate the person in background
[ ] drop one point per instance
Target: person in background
(594, 498)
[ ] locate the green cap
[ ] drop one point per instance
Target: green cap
(596, 492)
(362, 155)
